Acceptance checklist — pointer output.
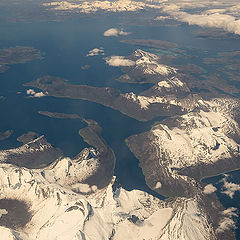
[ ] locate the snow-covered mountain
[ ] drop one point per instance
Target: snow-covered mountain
(55, 212)
(148, 63)
(198, 144)
(170, 88)
(148, 67)
(95, 6)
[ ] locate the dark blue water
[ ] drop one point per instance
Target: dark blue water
(65, 45)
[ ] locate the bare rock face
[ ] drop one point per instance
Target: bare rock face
(34, 154)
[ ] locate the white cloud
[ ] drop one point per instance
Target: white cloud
(170, 8)
(95, 52)
(119, 61)
(219, 18)
(94, 188)
(230, 212)
(81, 187)
(212, 11)
(162, 18)
(217, 13)
(227, 222)
(32, 93)
(84, 188)
(114, 32)
(230, 188)
(224, 21)
(208, 189)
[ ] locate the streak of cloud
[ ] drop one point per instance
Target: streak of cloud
(114, 32)
(119, 61)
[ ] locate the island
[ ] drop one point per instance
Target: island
(151, 43)
(85, 67)
(126, 104)
(59, 115)
(212, 33)
(5, 135)
(18, 54)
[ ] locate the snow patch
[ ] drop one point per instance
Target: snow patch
(158, 185)
(3, 212)
(32, 93)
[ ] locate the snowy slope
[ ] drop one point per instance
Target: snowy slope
(149, 64)
(203, 136)
(94, 6)
(148, 67)
(110, 213)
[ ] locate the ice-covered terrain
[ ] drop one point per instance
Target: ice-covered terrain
(56, 212)
(198, 137)
(94, 6)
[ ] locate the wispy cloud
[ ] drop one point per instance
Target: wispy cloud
(227, 222)
(114, 32)
(208, 189)
(230, 188)
(95, 52)
(84, 188)
(218, 20)
(119, 61)
(223, 18)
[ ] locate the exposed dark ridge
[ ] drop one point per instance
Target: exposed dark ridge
(18, 214)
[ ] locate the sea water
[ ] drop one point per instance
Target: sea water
(64, 46)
